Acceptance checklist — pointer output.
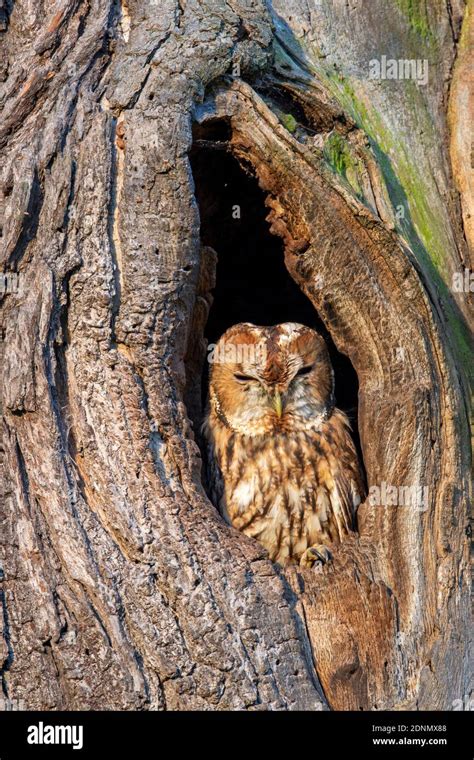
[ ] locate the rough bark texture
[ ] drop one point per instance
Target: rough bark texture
(122, 587)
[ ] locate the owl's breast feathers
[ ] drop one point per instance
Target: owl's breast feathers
(289, 489)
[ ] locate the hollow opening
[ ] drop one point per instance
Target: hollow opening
(252, 281)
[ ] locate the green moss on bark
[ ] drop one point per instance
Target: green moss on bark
(340, 157)
(416, 13)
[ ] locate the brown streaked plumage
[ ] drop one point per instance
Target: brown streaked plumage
(282, 466)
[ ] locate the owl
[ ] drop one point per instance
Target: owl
(281, 464)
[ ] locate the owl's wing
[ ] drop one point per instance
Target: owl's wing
(346, 496)
(348, 489)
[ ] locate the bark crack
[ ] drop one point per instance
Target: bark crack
(117, 169)
(8, 660)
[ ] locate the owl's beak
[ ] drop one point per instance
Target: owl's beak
(277, 403)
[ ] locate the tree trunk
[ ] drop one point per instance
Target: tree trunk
(122, 588)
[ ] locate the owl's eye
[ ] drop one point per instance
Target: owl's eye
(243, 378)
(305, 370)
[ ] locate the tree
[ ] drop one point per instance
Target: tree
(122, 586)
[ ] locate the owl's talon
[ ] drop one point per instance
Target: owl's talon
(315, 556)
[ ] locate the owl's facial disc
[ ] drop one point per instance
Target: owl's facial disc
(265, 378)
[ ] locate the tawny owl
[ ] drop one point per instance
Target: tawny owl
(282, 466)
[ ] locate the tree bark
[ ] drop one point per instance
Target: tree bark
(122, 588)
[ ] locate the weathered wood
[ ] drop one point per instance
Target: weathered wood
(122, 587)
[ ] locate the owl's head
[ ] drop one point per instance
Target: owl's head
(269, 378)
